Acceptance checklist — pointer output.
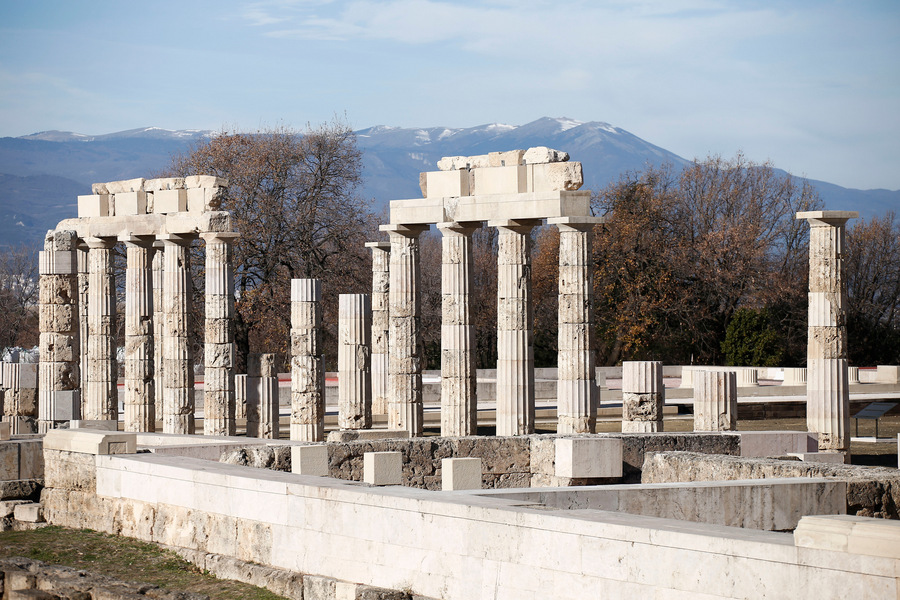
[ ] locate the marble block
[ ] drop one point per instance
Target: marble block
(89, 441)
(310, 460)
(4, 431)
(383, 468)
(588, 457)
(460, 474)
(99, 424)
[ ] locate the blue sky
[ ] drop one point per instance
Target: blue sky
(814, 86)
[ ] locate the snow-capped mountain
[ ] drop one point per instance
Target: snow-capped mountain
(41, 173)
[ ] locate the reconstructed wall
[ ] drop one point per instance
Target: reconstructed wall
(507, 462)
(871, 492)
(451, 545)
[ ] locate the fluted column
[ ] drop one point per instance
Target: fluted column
(307, 373)
(643, 396)
(405, 410)
(354, 362)
(140, 387)
(81, 255)
(101, 393)
(178, 358)
(58, 374)
(459, 406)
(827, 388)
(262, 397)
(218, 352)
(715, 400)
(159, 326)
(515, 350)
(576, 390)
(381, 263)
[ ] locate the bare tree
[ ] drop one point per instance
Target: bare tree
(18, 298)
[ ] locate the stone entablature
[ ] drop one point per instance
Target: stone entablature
(157, 220)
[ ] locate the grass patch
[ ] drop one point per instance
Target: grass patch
(123, 558)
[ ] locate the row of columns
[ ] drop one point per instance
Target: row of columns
(78, 316)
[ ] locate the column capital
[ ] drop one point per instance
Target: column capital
(386, 246)
(405, 230)
(459, 228)
(828, 218)
(226, 237)
(139, 241)
(100, 243)
(576, 223)
(176, 239)
(516, 225)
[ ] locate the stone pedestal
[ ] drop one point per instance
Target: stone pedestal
(643, 396)
(218, 355)
(715, 401)
(515, 351)
(381, 257)
(354, 363)
(307, 372)
(140, 385)
(59, 377)
(827, 388)
(101, 392)
(178, 358)
(576, 390)
(405, 334)
(459, 407)
(262, 397)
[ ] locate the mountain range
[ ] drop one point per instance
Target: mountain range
(42, 173)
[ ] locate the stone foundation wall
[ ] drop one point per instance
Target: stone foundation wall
(507, 462)
(871, 492)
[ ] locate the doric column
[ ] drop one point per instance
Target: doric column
(459, 406)
(262, 397)
(140, 387)
(307, 373)
(101, 394)
(178, 358)
(643, 396)
(159, 326)
(58, 375)
(515, 350)
(354, 363)
(827, 389)
(381, 264)
(576, 390)
(218, 352)
(83, 282)
(405, 347)
(715, 400)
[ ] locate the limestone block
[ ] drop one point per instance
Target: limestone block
(65, 404)
(4, 431)
(87, 441)
(310, 460)
(124, 186)
(99, 424)
(56, 263)
(851, 534)
(554, 177)
(588, 457)
(383, 468)
(29, 512)
(169, 201)
(887, 374)
(543, 154)
(505, 159)
(131, 203)
(93, 206)
(500, 180)
(164, 183)
(450, 163)
(460, 474)
(447, 184)
(28, 375)
(204, 199)
(776, 443)
(820, 457)
(204, 181)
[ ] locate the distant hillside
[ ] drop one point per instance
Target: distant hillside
(41, 174)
